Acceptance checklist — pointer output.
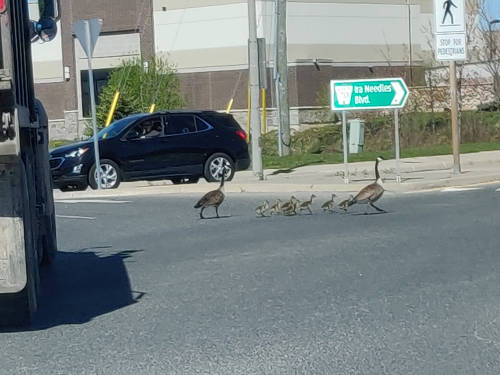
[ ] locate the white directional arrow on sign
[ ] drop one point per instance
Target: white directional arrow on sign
(400, 93)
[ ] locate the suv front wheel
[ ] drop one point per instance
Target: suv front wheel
(213, 167)
(110, 175)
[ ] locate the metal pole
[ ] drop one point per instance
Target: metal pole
(280, 143)
(264, 108)
(344, 139)
(253, 64)
(283, 74)
(94, 117)
(454, 118)
(410, 42)
(396, 142)
(277, 79)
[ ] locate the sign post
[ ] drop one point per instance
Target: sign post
(451, 46)
(344, 139)
(87, 32)
(396, 144)
(384, 93)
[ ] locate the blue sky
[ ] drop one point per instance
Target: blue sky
(494, 8)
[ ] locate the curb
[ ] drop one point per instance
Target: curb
(460, 181)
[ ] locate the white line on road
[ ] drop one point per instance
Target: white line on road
(452, 189)
(73, 201)
(75, 217)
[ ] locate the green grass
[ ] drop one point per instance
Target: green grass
(300, 160)
(57, 143)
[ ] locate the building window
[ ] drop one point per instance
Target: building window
(101, 77)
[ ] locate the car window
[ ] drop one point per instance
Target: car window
(180, 124)
(117, 127)
(201, 125)
(149, 128)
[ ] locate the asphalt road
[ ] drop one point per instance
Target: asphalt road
(142, 286)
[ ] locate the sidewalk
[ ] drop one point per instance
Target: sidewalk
(417, 174)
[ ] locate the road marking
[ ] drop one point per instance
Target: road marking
(453, 189)
(75, 217)
(73, 201)
(432, 190)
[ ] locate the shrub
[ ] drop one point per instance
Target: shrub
(489, 107)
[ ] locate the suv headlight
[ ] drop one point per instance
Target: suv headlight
(77, 153)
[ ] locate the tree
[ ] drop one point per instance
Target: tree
(487, 50)
(141, 83)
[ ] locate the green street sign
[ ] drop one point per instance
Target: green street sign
(368, 94)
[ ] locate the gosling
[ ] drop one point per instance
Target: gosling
(289, 204)
(260, 211)
(275, 209)
(291, 210)
(306, 205)
(329, 204)
(345, 203)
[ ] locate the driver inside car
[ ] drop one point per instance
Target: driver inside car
(151, 130)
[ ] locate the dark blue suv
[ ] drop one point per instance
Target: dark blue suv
(178, 145)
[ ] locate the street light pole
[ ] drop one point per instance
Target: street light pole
(282, 65)
(410, 42)
(253, 72)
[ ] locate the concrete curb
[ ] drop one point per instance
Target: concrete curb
(418, 174)
(459, 181)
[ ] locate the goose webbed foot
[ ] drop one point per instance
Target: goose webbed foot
(377, 208)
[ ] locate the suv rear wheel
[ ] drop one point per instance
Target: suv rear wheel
(214, 164)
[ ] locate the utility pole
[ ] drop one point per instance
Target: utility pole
(454, 118)
(410, 52)
(277, 78)
(282, 67)
(253, 72)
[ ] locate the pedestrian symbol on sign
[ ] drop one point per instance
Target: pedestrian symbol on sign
(447, 6)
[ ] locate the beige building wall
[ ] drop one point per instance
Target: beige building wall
(212, 35)
(207, 40)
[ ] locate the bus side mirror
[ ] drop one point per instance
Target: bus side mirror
(49, 9)
(46, 27)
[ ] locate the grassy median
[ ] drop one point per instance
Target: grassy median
(299, 160)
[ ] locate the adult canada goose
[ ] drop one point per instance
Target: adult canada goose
(275, 209)
(306, 205)
(213, 198)
(329, 204)
(370, 193)
(261, 210)
(345, 203)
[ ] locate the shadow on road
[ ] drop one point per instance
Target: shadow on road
(82, 285)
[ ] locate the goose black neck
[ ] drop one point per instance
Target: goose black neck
(377, 175)
(222, 180)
